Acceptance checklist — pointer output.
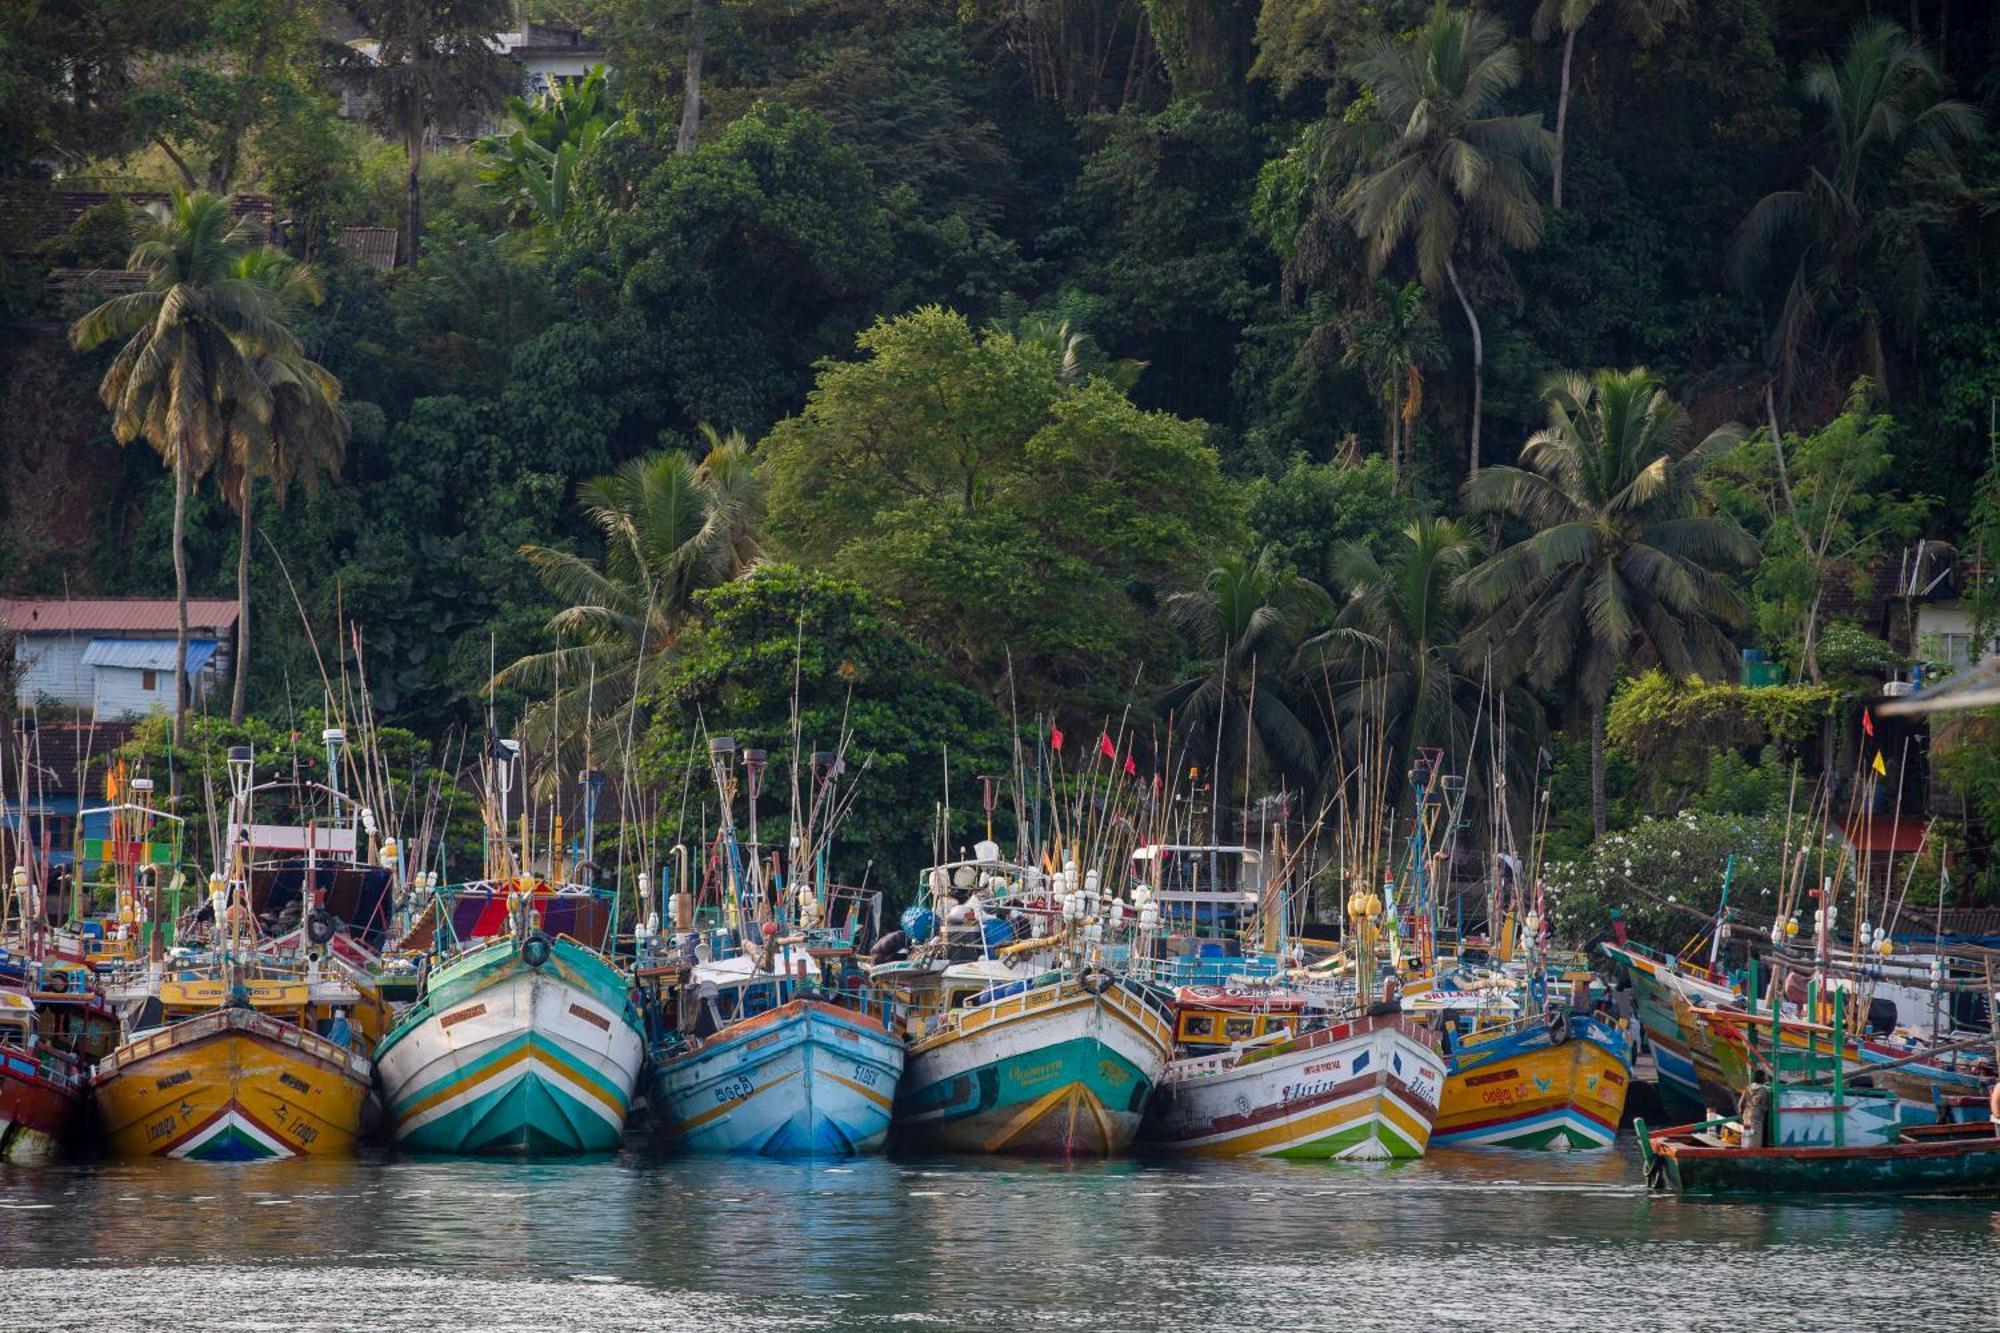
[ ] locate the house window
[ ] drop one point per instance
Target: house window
(149, 681)
(1957, 648)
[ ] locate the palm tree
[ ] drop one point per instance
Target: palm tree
(1840, 242)
(1621, 561)
(1244, 623)
(1395, 671)
(1438, 165)
(1644, 19)
(1391, 343)
(188, 367)
(303, 439)
(1392, 655)
(433, 60)
(672, 528)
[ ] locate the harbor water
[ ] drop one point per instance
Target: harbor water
(636, 1241)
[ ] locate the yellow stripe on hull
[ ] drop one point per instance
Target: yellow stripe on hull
(1575, 1090)
(231, 1093)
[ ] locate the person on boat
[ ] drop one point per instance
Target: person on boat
(339, 1032)
(1750, 1108)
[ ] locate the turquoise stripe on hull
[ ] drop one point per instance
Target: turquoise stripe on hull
(991, 1108)
(529, 1114)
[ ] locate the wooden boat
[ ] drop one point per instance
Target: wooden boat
(1950, 1158)
(42, 1093)
(1060, 1065)
(242, 1080)
(1660, 987)
(765, 1038)
(1363, 1089)
(1555, 1081)
(230, 1053)
(526, 1039)
(809, 1077)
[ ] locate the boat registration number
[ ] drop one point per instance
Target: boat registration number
(733, 1090)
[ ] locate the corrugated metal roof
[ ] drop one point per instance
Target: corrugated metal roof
(146, 654)
(113, 615)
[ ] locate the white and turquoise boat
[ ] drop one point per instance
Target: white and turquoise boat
(1060, 1065)
(522, 1043)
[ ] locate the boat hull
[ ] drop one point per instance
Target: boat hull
(1056, 1070)
(231, 1086)
(1360, 1091)
(1522, 1090)
(1654, 1003)
(502, 1057)
(38, 1116)
(807, 1079)
(1957, 1163)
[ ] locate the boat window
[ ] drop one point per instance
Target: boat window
(1198, 1025)
(1239, 1029)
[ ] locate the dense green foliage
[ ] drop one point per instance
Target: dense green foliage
(1268, 368)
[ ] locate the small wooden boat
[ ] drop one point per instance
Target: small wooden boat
(1710, 1158)
(1060, 1065)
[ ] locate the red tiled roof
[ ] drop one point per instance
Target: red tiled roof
(113, 615)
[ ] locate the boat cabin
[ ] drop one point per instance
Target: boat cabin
(1209, 1017)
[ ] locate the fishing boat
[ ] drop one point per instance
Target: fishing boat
(42, 1094)
(766, 1040)
(526, 1038)
(1661, 986)
(1030, 1029)
(1557, 1081)
(1266, 1068)
(1057, 1065)
(230, 1053)
(1365, 1088)
(1712, 1158)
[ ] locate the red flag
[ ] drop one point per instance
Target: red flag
(1867, 722)
(1131, 767)
(1055, 737)
(1105, 747)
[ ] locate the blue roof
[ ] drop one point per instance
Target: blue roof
(146, 654)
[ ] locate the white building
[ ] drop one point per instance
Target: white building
(113, 657)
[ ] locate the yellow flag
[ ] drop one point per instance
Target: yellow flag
(1881, 768)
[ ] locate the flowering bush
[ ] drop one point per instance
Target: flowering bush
(1667, 874)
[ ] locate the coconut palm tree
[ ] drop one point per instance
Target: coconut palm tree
(1645, 20)
(1390, 343)
(187, 369)
(1244, 623)
(1438, 166)
(672, 528)
(1392, 655)
(1839, 245)
(303, 439)
(1396, 675)
(1622, 561)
